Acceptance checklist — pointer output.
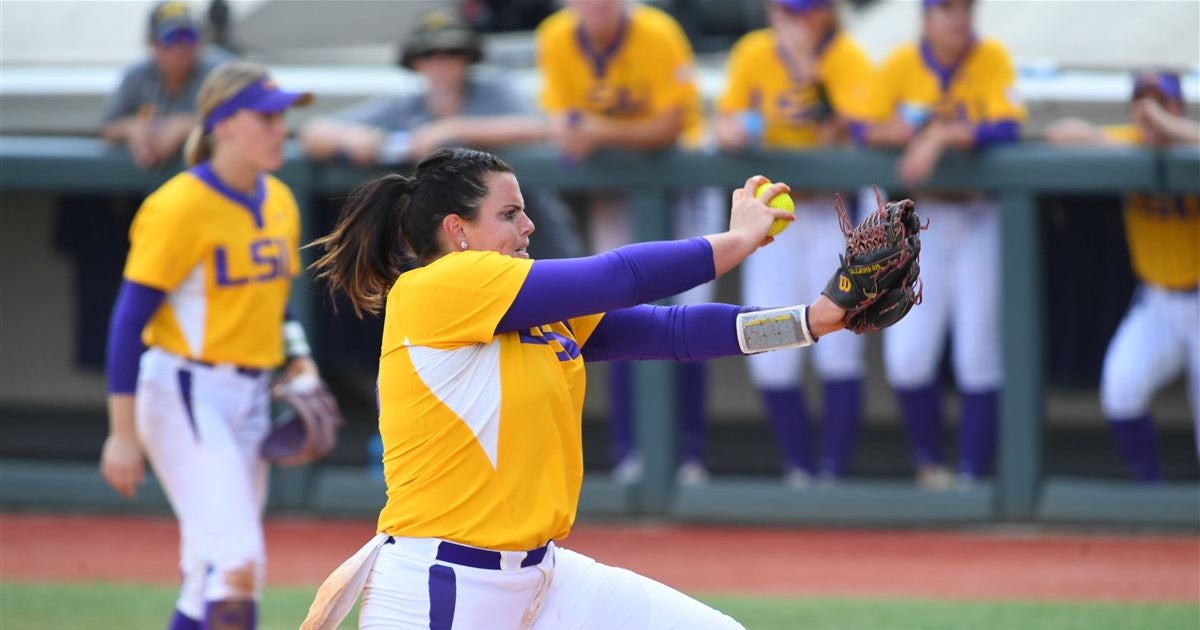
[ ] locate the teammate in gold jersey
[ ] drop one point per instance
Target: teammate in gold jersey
(950, 90)
(482, 382)
(794, 86)
(618, 74)
(211, 261)
(1160, 335)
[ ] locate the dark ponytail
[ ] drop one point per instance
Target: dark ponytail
(389, 225)
(362, 256)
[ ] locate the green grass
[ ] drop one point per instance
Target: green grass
(105, 606)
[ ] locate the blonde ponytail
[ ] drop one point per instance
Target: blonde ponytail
(222, 84)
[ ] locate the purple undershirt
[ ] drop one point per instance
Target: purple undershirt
(557, 290)
(618, 284)
(136, 304)
(680, 333)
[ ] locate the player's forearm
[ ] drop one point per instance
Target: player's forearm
(681, 333)
(119, 130)
(1177, 128)
(121, 419)
(658, 132)
(497, 131)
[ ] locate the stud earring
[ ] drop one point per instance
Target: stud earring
(462, 244)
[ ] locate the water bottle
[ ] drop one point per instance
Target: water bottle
(755, 126)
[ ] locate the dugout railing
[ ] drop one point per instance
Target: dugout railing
(1016, 175)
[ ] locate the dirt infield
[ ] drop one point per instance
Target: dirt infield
(744, 561)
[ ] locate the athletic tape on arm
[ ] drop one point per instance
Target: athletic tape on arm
(774, 329)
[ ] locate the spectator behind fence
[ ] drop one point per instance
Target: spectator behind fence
(619, 75)
(951, 90)
(791, 87)
(1160, 334)
(457, 107)
(154, 106)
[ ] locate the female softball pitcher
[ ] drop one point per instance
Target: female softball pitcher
(481, 384)
(793, 86)
(950, 90)
(211, 261)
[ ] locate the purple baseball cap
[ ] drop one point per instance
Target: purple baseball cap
(171, 23)
(802, 6)
(261, 96)
(1163, 82)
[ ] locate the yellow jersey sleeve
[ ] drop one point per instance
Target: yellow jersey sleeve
(679, 86)
(1001, 97)
(553, 41)
(740, 84)
(583, 327)
(165, 241)
(459, 299)
(885, 91)
(847, 73)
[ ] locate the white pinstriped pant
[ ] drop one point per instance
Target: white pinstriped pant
(407, 590)
(201, 428)
(960, 269)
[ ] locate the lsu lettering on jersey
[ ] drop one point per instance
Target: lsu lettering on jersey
(1163, 231)
(481, 432)
(761, 76)
(225, 261)
(979, 89)
(647, 71)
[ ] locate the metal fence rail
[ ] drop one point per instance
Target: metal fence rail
(1015, 175)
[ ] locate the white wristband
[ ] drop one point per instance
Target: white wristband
(295, 342)
(774, 329)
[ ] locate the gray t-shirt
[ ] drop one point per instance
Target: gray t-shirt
(143, 85)
(485, 97)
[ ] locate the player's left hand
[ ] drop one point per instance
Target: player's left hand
(919, 160)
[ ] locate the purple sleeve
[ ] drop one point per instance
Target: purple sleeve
(998, 132)
(556, 290)
(136, 303)
(858, 133)
(682, 333)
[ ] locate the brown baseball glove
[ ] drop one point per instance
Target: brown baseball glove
(307, 431)
(878, 280)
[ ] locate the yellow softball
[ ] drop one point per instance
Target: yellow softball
(780, 202)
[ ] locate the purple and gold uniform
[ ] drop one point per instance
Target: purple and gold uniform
(960, 257)
(762, 76)
(979, 89)
(225, 261)
(646, 71)
(1159, 337)
(482, 429)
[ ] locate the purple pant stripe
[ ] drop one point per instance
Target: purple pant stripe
(443, 591)
(185, 391)
(180, 621)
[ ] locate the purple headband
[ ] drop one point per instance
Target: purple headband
(929, 4)
(261, 96)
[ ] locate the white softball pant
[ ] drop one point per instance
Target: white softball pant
(1158, 338)
(793, 270)
(960, 268)
(201, 428)
(694, 212)
(408, 589)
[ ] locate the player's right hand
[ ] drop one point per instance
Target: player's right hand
(750, 216)
(122, 464)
